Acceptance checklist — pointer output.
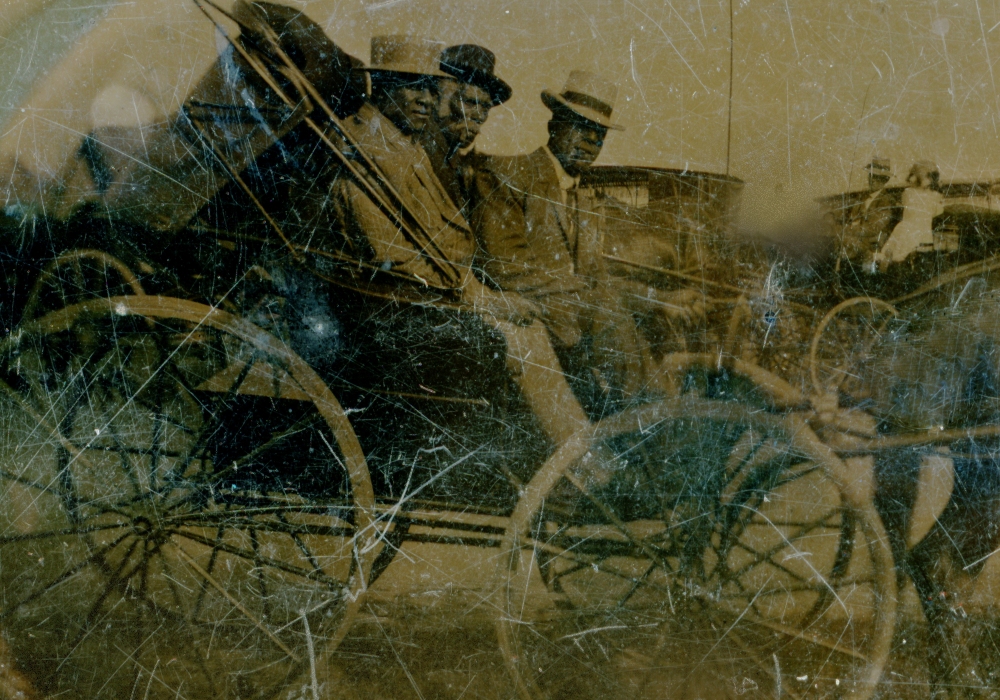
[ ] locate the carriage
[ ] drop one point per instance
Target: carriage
(204, 473)
(188, 505)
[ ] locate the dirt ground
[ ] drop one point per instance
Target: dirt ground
(428, 632)
(447, 651)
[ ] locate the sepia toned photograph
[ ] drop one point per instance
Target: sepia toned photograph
(499, 350)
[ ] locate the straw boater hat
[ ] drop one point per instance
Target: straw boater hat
(474, 64)
(588, 96)
(879, 166)
(412, 55)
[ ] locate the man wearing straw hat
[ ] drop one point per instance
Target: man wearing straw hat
(334, 204)
(404, 72)
(593, 318)
(873, 218)
(331, 210)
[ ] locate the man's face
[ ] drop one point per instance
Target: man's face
(463, 110)
(408, 105)
(576, 145)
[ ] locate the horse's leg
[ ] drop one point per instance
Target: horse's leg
(950, 659)
(942, 567)
(896, 477)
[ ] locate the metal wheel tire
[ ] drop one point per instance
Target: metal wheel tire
(185, 510)
(696, 549)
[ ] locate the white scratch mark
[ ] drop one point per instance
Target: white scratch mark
(671, 43)
(791, 28)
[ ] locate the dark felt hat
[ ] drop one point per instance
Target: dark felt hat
(474, 64)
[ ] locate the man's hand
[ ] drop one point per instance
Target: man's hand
(503, 306)
(684, 306)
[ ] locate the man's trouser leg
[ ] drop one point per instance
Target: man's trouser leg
(621, 355)
(540, 376)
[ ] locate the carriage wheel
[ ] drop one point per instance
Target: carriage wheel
(844, 343)
(185, 509)
(77, 276)
(699, 549)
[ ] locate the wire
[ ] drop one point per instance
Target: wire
(729, 109)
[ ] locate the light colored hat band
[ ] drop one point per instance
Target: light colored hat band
(599, 116)
(587, 101)
(588, 96)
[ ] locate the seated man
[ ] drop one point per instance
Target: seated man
(871, 219)
(336, 204)
(922, 202)
(331, 209)
(503, 256)
(558, 262)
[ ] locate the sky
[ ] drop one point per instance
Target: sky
(817, 87)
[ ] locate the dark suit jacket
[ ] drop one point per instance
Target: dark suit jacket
(502, 259)
(868, 227)
(566, 259)
(331, 211)
(557, 244)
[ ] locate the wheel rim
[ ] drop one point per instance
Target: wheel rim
(77, 276)
(153, 541)
(844, 342)
(718, 592)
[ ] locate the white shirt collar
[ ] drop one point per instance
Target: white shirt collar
(566, 181)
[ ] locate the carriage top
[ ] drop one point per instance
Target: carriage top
(983, 194)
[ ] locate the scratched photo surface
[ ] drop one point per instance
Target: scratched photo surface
(499, 350)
